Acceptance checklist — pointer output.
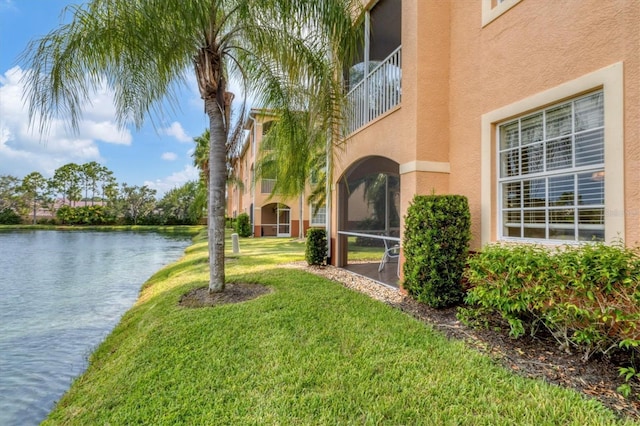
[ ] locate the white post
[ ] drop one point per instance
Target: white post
(235, 243)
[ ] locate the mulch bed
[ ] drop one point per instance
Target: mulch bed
(233, 293)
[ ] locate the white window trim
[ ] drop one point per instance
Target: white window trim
(490, 12)
(611, 80)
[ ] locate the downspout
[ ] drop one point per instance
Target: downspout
(253, 175)
(386, 204)
(328, 179)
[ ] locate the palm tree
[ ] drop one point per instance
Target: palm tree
(35, 187)
(303, 143)
(201, 155)
(143, 50)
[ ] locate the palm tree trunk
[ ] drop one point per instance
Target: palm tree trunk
(217, 184)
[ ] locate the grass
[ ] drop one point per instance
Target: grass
(310, 352)
(357, 252)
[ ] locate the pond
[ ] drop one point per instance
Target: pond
(62, 292)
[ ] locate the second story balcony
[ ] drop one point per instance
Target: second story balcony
(374, 78)
(266, 186)
(374, 91)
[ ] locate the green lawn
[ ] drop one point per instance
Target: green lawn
(311, 352)
(357, 252)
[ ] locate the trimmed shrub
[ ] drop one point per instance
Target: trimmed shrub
(436, 247)
(229, 222)
(86, 215)
(243, 225)
(586, 296)
(316, 249)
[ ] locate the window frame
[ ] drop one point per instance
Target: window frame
(578, 175)
(492, 9)
(611, 80)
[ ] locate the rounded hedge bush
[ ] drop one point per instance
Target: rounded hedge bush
(436, 247)
(316, 248)
(243, 225)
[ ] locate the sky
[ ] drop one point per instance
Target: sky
(158, 155)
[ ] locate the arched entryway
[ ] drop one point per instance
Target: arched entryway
(276, 220)
(368, 198)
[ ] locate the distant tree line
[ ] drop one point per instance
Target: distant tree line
(88, 194)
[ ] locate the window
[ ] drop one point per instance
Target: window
(320, 216)
(552, 172)
(266, 127)
(609, 80)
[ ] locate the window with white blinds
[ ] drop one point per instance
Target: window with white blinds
(551, 172)
(320, 216)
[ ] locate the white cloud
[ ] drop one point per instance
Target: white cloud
(23, 149)
(176, 130)
(175, 180)
(169, 156)
(106, 131)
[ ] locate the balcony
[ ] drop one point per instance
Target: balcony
(266, 186)
(375, 92)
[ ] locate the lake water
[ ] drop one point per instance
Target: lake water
(61, 293)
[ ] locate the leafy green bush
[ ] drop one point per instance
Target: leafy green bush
(229, 222)
(316, 249)
(85, 215)
(9, 217)
(587, 296)
(66, 215)
(436, 246)
(243, 225)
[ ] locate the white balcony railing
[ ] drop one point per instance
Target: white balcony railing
(267, 185)
(376, 92)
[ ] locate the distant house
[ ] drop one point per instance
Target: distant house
(530, 108)
(43, 212)
(271, 215)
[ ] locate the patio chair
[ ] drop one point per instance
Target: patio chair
(391, 251)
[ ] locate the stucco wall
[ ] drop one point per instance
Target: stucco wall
(533, 47)
(455, 71)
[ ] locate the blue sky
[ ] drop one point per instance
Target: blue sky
(157, 156)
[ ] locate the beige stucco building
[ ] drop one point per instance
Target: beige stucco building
(530, 108)
(271, 215)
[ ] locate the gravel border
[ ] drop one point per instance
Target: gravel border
(374, 289)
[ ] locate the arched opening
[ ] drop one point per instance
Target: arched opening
(369, 218)
(276, 220)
